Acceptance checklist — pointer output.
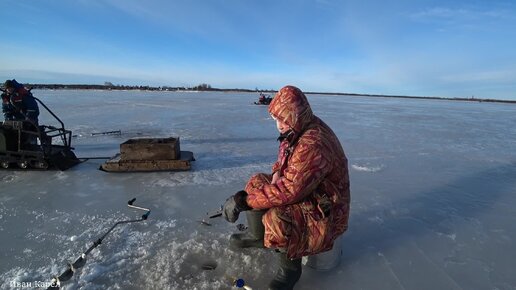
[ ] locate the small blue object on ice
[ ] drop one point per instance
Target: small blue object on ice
(240, 283)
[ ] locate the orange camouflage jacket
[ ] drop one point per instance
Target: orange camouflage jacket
(314, 184)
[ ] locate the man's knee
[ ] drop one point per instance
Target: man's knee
(278, 221)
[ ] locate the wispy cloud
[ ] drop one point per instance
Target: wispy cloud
(193, 18)
(492, 76)
(464, 15)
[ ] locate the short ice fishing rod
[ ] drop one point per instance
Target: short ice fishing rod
(68, 273)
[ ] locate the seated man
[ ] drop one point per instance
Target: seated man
(302, 206)
(18, 104)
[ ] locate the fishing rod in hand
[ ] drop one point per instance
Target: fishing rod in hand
(81, 261)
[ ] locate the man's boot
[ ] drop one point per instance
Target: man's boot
(287, 275)
(253, 237)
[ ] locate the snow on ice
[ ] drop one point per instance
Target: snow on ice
(432, 184)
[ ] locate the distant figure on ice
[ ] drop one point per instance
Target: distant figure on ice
(263, 100)
(18, 104)
(303, 206)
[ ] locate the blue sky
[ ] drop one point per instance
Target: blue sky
(400, 47)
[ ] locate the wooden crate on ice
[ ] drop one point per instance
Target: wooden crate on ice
(149, 154)
(150, 149)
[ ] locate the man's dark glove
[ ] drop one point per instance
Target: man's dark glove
(234, 205)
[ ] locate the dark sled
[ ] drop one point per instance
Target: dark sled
(25, 145)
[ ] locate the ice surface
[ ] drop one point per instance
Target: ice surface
(433, 194)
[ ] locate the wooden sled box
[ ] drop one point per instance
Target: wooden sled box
(149, 154)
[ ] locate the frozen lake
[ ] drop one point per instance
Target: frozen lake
(433, 188)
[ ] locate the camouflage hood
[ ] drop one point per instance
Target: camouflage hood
(291, 107)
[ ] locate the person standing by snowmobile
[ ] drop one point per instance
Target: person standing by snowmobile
(18, 104)
(303, 206)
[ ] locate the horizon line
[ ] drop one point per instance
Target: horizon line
(209, 88)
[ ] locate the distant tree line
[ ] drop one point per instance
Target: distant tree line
(471, 99)
(111, 86)
(207, 87)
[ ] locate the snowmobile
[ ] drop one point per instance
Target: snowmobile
(263, 100)
(25, 144)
